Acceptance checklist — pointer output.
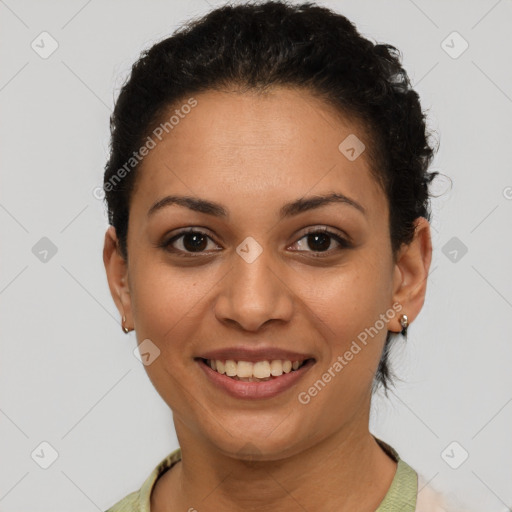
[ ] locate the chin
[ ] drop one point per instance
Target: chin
(265, 440)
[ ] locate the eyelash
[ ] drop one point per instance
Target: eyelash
(167, 243)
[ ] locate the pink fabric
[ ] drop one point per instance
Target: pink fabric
(431, 500)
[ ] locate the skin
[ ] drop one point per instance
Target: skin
(252, 153)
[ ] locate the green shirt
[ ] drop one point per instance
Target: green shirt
(401, 495)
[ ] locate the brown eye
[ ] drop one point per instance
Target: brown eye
(191, 241)
(320, 241)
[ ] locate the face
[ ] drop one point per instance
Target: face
(265, 273)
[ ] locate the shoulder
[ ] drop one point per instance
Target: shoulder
(412, 490)
(129, 503)
(139, 501)
(432, 500)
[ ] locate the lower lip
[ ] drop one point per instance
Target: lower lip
(255, 390)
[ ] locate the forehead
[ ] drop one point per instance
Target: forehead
(282, 143)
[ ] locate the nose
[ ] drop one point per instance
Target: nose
(256, 292)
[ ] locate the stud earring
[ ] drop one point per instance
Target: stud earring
(125, 329)
(404, 322)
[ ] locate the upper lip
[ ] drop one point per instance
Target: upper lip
(254, 354)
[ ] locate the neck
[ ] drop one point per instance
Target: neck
(347, 471)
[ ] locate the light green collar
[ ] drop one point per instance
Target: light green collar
(401, 496)
(403, 491)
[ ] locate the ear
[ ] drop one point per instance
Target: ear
(117, 275)
(411, 272)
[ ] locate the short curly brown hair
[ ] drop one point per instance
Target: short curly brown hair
(256, 45)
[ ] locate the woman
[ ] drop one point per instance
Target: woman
(268, 198)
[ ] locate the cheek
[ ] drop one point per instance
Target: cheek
(351, 301)
(166, 306)
(168, 302)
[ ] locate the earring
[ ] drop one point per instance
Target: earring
(125, 329)
(404, 322)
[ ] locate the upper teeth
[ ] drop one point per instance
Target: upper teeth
(260, 369)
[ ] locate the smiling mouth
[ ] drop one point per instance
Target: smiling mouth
(259, 371)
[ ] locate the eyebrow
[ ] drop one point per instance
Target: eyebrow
(288, 210)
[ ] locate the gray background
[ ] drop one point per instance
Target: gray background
(68, 375)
